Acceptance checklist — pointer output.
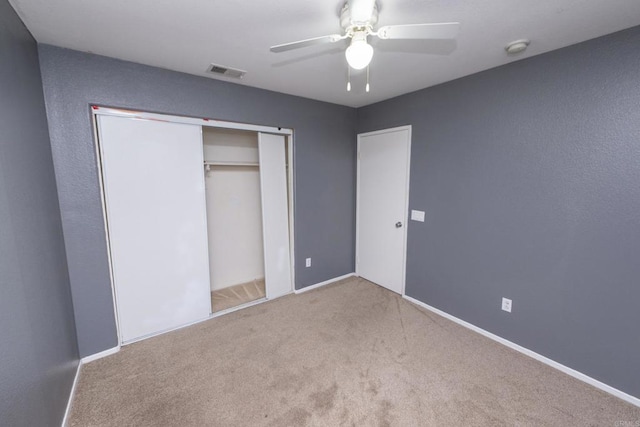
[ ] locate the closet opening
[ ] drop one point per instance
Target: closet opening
(234, 217)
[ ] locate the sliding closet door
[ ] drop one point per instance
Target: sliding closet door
(154, 191)
(275, 214)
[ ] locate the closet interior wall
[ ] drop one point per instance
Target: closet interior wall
(234, 212)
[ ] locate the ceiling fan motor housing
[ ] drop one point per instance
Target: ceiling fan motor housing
(345, 19)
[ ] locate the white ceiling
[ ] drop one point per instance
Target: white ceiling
(188, 35)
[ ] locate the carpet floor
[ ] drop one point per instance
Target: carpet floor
(350, 353)
(234, 296)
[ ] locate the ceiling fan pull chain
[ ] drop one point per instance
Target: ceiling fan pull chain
(367, 86)
(348, 78)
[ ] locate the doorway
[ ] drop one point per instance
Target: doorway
(382, 206)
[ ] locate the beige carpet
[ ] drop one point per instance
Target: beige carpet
(234, 296)
(347, 354)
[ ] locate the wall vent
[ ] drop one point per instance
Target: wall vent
(226, 71)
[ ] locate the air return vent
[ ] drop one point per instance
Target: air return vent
(226, 71)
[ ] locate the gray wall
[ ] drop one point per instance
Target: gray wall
(38, 352)
(530, 178)
(324, 166)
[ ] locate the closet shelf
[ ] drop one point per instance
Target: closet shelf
(231, 164)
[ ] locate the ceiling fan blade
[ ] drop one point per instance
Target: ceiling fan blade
(444, 30)
(361, 10)
(308, 42)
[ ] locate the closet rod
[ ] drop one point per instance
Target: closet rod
(231, 164)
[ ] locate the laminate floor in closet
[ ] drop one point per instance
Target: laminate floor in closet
(234, 296)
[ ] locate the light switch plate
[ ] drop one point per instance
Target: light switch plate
(417, 215)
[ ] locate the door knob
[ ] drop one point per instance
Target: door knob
(398, 224)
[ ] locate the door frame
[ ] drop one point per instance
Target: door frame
(406, 204)
(96, 110)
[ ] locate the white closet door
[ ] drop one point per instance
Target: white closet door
(275, 214)
(154, 190)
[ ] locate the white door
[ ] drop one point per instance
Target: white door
(275, 214)
(383, 194)
(156, 214)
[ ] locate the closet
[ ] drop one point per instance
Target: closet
(197, 217)
(234, 217)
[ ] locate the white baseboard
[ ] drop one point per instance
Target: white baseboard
(71, 394)
(100, 355)
(81, 362)
(326, 282)
(569, 371)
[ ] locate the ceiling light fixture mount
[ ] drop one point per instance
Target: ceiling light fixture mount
(517, 46)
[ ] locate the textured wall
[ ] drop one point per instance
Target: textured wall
(530, 178)
(324, 166)
(38, 351)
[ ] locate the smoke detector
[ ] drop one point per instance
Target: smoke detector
(517, 46)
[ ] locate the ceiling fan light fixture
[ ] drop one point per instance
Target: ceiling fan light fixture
(359, 52)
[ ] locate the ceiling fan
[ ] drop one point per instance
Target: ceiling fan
(358, 19)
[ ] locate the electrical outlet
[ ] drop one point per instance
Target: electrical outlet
(506, 304)
(307, 262)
